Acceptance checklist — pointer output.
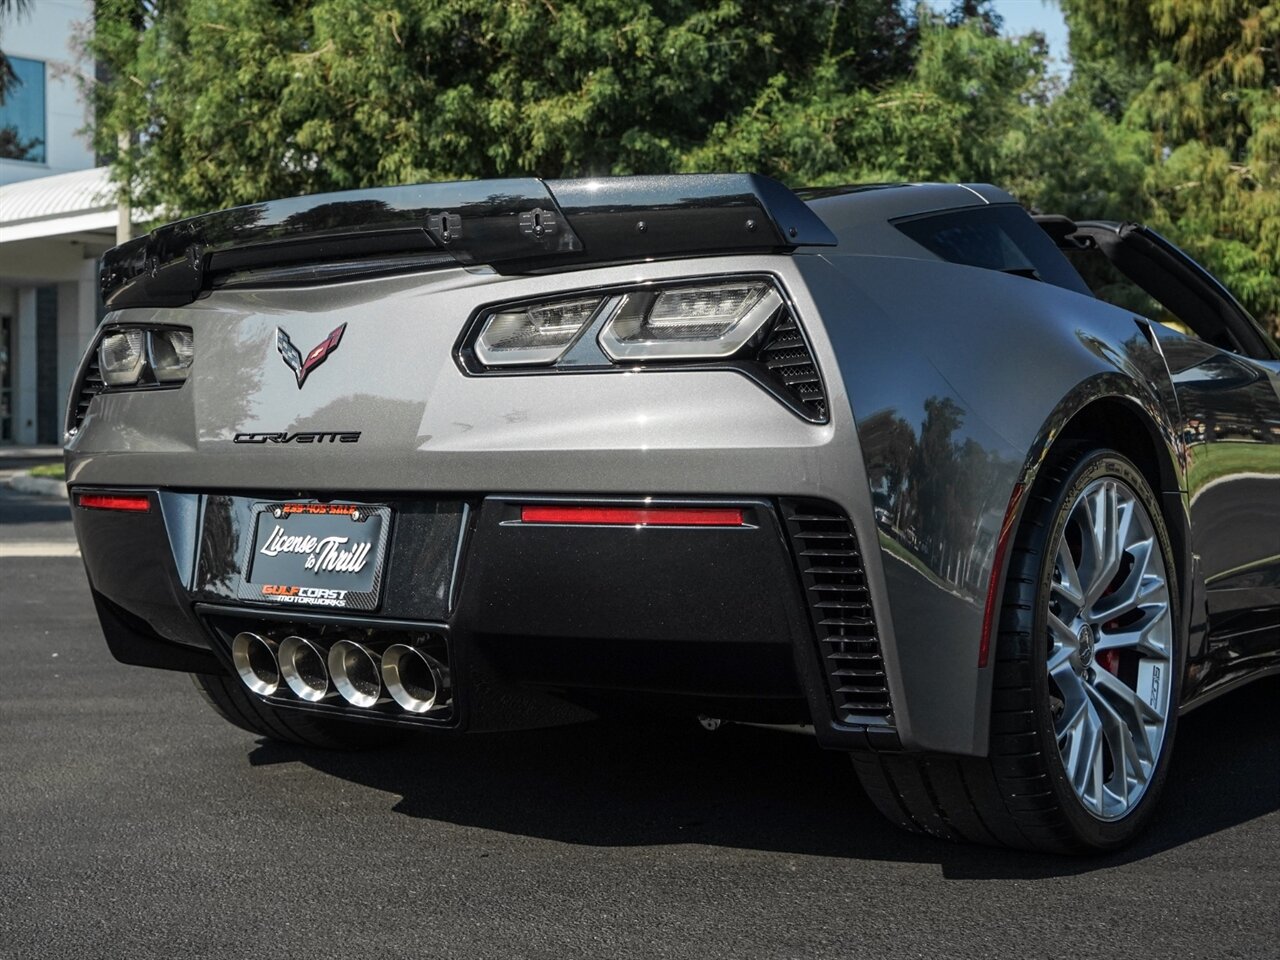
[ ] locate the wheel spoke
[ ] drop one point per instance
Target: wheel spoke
(1115, 733)
(1060, 658)
(1127, 702)
(1153, 592)
(1126, 521)
(1067, 586)
(1074, 704)
(1137, 587)
(1072, 738)
(1063, 659)
(1102, 524)
(1130, 758)
(1140, 636)
(1063, 635)
(1112, 550)
(1085, 765)
(1093, 544)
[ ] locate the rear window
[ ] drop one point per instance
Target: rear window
(1109, 284)
(1001, 238)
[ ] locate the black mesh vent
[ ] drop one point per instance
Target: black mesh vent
(788, 362)
(90, 386)
(835, 587)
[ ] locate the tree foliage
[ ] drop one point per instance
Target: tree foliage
(229, 101)
(1192, 89)
(236, 100)
(1171, 114)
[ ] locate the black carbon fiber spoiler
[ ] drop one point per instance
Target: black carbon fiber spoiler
(516, 226)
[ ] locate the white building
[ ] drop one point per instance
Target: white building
(57, 217)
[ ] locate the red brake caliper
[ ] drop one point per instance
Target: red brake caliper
(1108, 660)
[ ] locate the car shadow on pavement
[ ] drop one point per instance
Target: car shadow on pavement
(611, 784)
(19, 509)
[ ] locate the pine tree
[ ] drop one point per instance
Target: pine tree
(1203, 88)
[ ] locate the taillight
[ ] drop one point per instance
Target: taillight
(534, 334)
(740, 323)
(708, 321)
(145, 356)
(122, 356)
(648, 516)
(711, 320)
(170, 353)
(126, 502)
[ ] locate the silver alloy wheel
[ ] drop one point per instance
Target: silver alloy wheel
(1110, 660)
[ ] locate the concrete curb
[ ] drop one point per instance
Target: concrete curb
(44, 486)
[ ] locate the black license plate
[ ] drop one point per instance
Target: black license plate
(317, 555)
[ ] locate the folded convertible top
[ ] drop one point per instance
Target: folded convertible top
(516, 226)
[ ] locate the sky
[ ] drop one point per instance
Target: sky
(1023, 16)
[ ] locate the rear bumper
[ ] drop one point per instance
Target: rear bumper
(430, 430)
(728, 621)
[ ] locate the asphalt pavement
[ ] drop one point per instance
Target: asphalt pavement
(134, 823)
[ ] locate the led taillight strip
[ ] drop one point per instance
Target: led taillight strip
(126, 502)
(632, 516)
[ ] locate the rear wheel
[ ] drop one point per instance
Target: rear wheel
(1087, 678)
(237, 705)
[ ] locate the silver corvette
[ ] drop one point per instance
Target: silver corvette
(985, 500)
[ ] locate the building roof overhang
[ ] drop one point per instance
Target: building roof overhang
(50, 207)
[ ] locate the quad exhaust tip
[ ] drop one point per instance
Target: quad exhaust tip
(302, 666)
(415, 680)
(410, 676)
(254, 658)
(356, 673)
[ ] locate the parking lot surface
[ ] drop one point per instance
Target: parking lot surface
(135, 823)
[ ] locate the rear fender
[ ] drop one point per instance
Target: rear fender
(961, 380)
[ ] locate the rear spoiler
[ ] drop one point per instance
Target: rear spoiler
(515, 226)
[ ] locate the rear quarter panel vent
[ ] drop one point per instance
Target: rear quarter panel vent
(89, 386)
(788, 363)
(834, 582)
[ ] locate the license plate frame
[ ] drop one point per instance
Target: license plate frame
(311, 555)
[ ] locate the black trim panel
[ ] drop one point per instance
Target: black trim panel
(420, 562)
(514, 225)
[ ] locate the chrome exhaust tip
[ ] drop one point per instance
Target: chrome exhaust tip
(354, 668)
(416, 680)
(302, 665)
(254, 658)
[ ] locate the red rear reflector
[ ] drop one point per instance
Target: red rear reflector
(633, 516)
(997, 573)
(128, 502)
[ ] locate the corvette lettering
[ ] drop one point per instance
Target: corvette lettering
(324, 554)
(305, 436)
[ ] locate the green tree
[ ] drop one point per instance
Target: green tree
(962, 113)
(230, 101)
(1193, 86)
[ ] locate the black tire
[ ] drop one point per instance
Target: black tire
(242, 708)
(1020, 795)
